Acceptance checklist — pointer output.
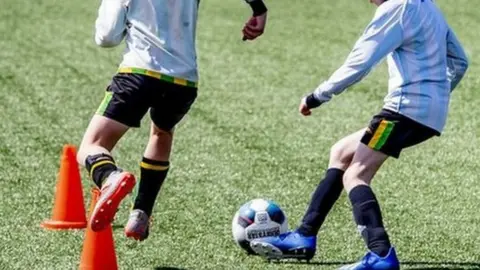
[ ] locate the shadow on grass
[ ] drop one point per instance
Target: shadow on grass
(441, 265)
(311, 262)
(417, 265)
(168, 268)
(117, 226)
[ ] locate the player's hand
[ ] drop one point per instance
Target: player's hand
(307, 104)
(254, 27)
(303, 108)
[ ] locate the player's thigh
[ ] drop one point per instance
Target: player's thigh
(103, 132)
(172, 106)
(341, 153)
(127, 99)
(365, 164)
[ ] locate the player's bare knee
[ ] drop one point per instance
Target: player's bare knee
(357, 174)
(160, 134)
(337, 151)
(340, 157)
(350, 174)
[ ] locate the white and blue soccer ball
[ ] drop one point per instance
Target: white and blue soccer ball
(256, 219)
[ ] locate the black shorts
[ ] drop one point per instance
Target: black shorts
(390, 132)
(129, 96)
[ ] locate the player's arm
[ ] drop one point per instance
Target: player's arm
(111, 23)
(383, 35)
(256, 24)
(457, 62)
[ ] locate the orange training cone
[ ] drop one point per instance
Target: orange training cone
(98, 247)
(93, 200)
(68, 210)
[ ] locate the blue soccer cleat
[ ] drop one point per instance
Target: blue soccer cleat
(290, 245)
(372, 261)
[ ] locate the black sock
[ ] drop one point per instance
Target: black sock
(152, 175)
(323, 199)
(99, 167)
(368, 216)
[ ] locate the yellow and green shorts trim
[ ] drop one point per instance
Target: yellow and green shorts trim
(104, 104)
(159, 76)
(381, 134)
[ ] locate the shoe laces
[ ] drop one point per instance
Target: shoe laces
(369, 258)
(140, 215)
(285, 235)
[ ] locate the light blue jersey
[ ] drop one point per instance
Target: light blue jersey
(159, 35)
(425, 61)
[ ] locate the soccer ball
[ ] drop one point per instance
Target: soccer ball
(255, 219)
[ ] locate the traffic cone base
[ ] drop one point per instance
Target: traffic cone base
(68, 210)
(98, 250)
(62, 225)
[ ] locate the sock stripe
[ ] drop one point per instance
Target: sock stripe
(366, 202)
(155, 162)
(100, 163)
(153, 167)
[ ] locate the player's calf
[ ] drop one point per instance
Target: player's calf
(152, 176)
(153, 171)
(366, 208)
(330, 187)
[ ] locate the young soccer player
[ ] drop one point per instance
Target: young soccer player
(158, 73)
(426, 62)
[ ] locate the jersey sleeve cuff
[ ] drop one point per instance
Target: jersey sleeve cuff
(312, 102)
(258, 7)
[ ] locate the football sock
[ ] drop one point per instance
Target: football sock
(368, 217)
(323, 199)
(152, 176)
(99, 167)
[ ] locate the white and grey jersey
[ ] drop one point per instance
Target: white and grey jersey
(425, 61)
(159, 34)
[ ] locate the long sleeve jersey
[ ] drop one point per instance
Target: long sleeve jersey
(159, 35)
(425, 61)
